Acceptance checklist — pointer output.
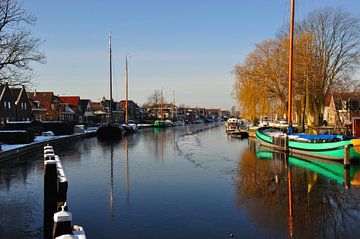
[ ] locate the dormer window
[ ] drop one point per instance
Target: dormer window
(37, 104)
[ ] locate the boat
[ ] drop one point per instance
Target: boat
(233, 129)
(241, 134)
(161, 123)
(129, 127)
(321, 146)
(110, 131)
(231, 125)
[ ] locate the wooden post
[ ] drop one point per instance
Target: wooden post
(50, 192)
(286, 144)
(347, 155)
(347, 179)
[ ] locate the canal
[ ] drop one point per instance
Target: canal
(185, 182)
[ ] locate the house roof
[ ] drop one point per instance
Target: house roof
(98, 107)
(327, 100)
(2, 90)
(72, 101)
(83, 104)
(15, 94)
(44, 98)
(123, 102)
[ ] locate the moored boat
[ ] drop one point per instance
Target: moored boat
(162, 123)
(320, 146)
(231, 125)
(110, 131)
(239, 134)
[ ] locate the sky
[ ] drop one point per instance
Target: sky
(189, 47)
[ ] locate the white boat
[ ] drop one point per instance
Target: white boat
(231, 125)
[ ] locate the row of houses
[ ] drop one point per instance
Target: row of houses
(16, 104)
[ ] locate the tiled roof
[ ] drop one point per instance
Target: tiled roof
(45, 98)
(72, 101)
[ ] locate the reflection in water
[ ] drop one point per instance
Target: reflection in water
(111, 201)
(315, 207)
(214, 188)
(127, 169)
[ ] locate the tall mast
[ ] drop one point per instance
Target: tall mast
(111, 99)
(291, 62)
(173, 108)
(161, 104)
(127, 92)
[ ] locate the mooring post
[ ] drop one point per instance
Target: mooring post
(286, 144)
(50, 192)
(347, 179)
(347, 155)
(62, 223)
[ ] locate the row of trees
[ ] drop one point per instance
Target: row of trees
(326, 54)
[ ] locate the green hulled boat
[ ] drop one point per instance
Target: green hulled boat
(162, 123)
(319, 146)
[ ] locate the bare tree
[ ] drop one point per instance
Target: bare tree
(337, 39)
(18, 48)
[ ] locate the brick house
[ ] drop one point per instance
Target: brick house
(341, 107)
(45, 105)
(133, 109)
(7, 105)
(22, 104)
(74, 103)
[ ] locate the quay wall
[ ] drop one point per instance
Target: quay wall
(5, 155)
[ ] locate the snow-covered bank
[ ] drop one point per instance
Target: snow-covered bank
(13, 150)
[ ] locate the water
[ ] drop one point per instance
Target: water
(184, 182)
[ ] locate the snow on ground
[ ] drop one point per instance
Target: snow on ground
(5, 147)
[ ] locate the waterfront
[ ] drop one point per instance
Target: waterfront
(183, 182)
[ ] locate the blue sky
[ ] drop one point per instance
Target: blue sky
(187, 46)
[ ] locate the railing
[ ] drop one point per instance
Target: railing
(57, 219)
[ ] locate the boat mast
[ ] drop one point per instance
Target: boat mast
(127, 92)
(291, 63)
(111, 99)
(161, 105)
(173, 108)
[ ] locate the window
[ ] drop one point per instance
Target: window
(9, 104)
(25, 106)
(5, 104)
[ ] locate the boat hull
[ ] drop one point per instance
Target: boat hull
(162, 123)
(239, 134)
(109, 132)
(319, 149)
